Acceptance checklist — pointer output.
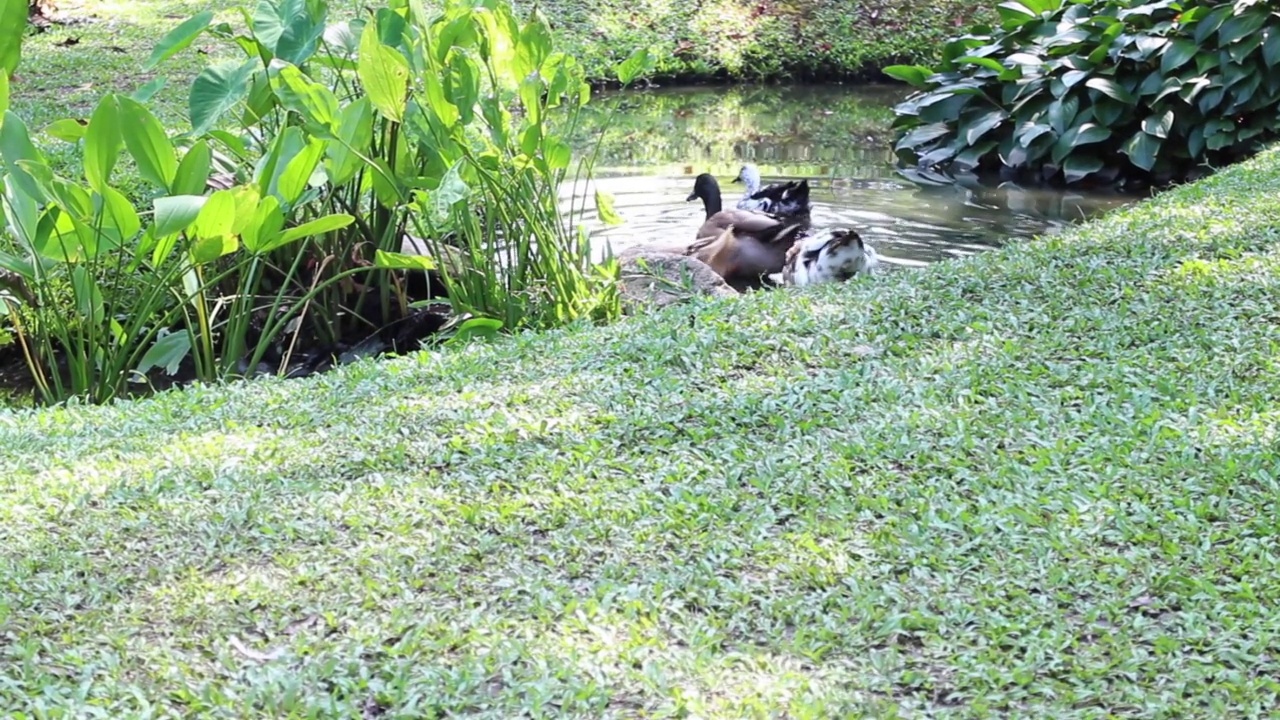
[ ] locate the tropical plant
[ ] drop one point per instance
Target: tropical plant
(1098, 91)
(430, 125)
(324, 148)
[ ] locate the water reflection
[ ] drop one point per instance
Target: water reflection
(835, 136)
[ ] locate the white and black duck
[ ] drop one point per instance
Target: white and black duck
(786, 199)
(829, 256)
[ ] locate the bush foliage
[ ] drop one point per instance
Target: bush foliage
(1098, 91)
(278, 220)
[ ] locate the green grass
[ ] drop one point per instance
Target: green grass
(1051, 491)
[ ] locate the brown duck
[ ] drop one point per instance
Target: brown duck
(743, 246)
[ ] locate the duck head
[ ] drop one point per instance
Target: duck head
(749, 175)
(831, 256)
(706, 187)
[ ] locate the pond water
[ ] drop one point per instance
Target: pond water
(836, 136)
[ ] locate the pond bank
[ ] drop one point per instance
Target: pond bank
(1050, 488)
(826, 40)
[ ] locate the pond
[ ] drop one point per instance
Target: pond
(836, 136)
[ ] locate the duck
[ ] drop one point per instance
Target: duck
(831, 256)
(788, 199)
(743, 246)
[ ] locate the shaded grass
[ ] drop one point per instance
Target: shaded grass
(1051, 492)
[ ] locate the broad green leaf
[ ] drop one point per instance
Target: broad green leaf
(264, 227)
(247, 199)
(914, 75)
(217, 216)
(102, 143)
(444, 111)
(192, 177)
(4, 90)
(387, 188)
(1029, 131)
(1111, 88)
(149, 89)
(67, 130)
(462, 85)
(18, 265)
(401, 261)
(982, 124)
(1084, 134)
(451, 190)
(319, 226)
(534, 46)
(317, 105)
(217, 89)
(1271, 47)
(176, 213)
(1107, 112)
(168, 352)
(207, 249)
(119, 219)
(1023, 58)
(13, 20)
(922, 135)
(460, 32)
(1160, 126)
(972, 156)
(1141, 149)
(1242, 25)
(474, 329)
(179, 38)
(986, 62)
(355, 133)
(604, 208)
(557, 153)
(384, 74)
(288, 29)
(57, 237)
(1211, 22)
(298, 156)
(1242, 51)
(1071, 77)
(641, 62)
(147, 142)
(1062, 113)
(21, 213)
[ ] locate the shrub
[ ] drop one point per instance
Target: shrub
(326, 147)
(1098, 91)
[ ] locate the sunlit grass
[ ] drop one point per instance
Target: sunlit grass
(1036, 482)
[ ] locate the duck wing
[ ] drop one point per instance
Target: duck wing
(788, 198)
(745, 222)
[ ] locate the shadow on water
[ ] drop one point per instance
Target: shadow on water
(836, 136)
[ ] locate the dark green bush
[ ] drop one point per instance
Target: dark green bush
(1098, 91)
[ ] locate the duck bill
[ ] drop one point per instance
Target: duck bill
(692, 196)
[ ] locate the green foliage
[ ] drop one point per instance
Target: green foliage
(1098, 91)
(13, 25)
(341, 141)
(796, 39)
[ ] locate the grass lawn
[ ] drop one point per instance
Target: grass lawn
(1049, 491)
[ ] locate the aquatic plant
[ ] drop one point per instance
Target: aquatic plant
(280, 218)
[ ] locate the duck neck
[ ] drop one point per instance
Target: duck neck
(752, 183)
(711, 200)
